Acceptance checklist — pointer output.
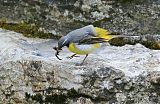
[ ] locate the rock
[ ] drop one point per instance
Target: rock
(30, 73)
(155, 77)
(64, 16)
(84, 101)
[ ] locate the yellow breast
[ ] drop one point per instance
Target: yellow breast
(83, 49)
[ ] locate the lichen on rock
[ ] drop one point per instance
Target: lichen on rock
(119, 74)
(30, 73)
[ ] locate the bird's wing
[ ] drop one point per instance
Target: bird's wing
(91, 40)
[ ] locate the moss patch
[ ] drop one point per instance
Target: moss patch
(28, 30)
(121, 41)
(151, 44)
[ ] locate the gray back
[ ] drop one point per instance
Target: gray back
(79, 34)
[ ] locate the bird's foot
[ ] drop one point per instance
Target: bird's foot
(78, 64)
(82, 61)
(70, 57)
(81, 64)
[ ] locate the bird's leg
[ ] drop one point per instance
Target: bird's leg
(74, 55)
(82, 61)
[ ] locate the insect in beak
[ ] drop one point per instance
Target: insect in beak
(57, 52)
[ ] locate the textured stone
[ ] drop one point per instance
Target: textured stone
(129, 17)
(30, 73)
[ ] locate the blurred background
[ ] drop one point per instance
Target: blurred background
(130, 17)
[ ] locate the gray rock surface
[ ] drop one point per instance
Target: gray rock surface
(30, 73)
(131, 17)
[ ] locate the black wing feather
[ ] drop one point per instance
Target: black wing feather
(92, 40)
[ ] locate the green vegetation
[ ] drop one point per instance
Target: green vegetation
(121, 41)
(28, 30)
(151, 44)
(33, 31)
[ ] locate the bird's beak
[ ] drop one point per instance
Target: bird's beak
(57, 52)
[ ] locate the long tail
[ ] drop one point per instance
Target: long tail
(102, 33)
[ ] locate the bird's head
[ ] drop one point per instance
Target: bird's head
(63, 41)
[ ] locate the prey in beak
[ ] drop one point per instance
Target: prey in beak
(57, 52)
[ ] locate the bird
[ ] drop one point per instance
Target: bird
(83, 41)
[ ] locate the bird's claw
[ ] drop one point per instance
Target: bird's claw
(70, 57)
(79, 64)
